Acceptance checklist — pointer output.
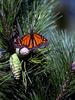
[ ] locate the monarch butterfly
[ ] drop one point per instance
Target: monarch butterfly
(15, 65)
(31, 41)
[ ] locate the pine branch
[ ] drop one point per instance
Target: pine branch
(47, 68)
(62, 90)
(6, 30)
(8, 12)
(37, 15)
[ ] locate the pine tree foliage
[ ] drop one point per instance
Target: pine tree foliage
(8, 12)
(10, 9)
(38, 15)
(61, 56)
(48, 70)
(36, 72)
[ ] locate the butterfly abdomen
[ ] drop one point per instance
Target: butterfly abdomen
(15, 66)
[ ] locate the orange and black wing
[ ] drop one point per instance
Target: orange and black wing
(39, 40)
(33, 40)
(26, 40)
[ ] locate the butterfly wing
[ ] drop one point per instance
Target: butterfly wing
(39, 40)
(33, 40)
(26, 40)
